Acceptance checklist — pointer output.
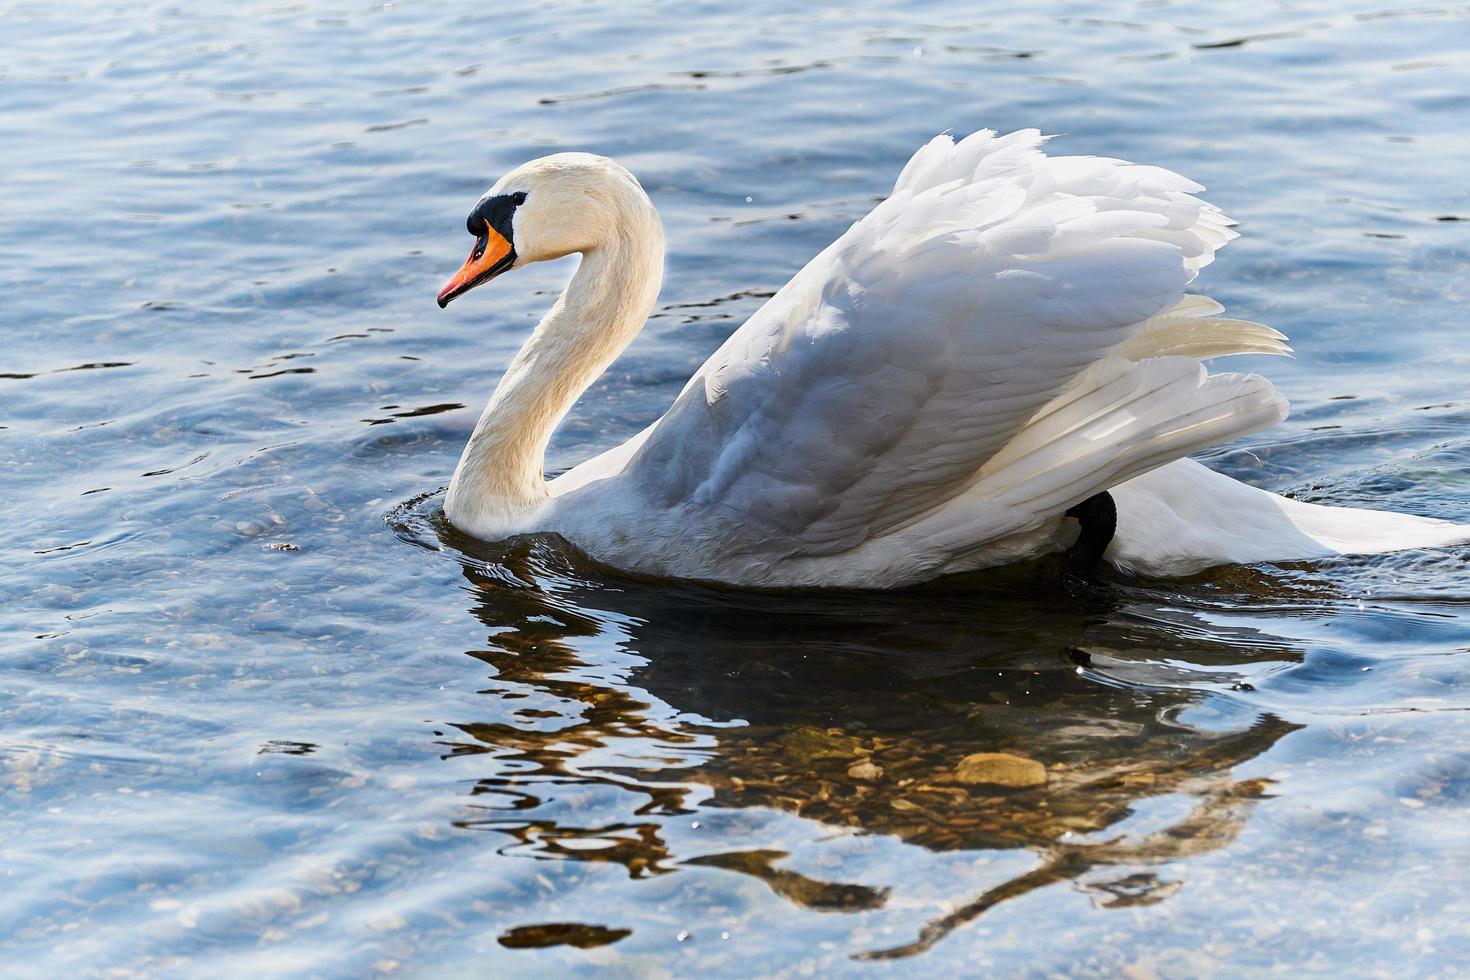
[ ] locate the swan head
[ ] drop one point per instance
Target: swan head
(545, 209)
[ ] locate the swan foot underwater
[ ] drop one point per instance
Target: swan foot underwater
(998, 362)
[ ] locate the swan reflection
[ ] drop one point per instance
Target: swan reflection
(1026, 710)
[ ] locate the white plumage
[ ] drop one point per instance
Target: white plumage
(1002, 338)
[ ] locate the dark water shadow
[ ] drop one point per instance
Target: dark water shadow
(1024, 709)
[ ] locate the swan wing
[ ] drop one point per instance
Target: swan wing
(870, 391)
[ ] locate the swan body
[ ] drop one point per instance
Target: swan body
(1005, 336)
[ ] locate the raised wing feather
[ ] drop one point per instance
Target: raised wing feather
(875, 385)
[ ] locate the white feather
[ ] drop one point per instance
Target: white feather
(1004, 336)
(1184, 518)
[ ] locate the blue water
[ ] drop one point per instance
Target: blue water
(262, 713)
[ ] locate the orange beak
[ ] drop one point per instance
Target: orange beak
(492, 256)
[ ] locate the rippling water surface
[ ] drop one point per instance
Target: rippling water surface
(261, 711)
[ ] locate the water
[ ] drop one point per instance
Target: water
(262, 712)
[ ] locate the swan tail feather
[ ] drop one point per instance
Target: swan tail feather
(1357, 531)
(1184, 518)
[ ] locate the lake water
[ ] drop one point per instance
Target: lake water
(262, 713)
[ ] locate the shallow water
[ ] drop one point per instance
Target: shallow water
(261, 711)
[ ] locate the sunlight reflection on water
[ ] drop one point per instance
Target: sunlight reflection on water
(261, 710)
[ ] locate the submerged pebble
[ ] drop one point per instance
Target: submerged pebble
(1000, 769)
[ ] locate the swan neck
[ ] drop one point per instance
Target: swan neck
(499, 482)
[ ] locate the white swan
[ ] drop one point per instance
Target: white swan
(1001, 340)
